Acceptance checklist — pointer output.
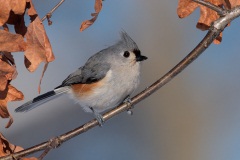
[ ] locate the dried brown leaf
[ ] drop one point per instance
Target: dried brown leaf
(18, 6)
(5, 9)
(88, 23)
(18, 22)
(9, 94)
(16, 15)
(11, 42)
(230, 3)
(6, 148)
(10, 122)
(11, 7)
(207, 16)
(31, 11)
(185, 8)
(38, 46)
(7, 71)
(98, 6)
(44, 70)
(8, 57)
(3, 82)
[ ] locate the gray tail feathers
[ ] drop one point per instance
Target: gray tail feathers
(42, 99)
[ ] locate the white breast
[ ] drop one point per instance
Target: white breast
(117, 85)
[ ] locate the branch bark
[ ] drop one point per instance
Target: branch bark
(214, 31)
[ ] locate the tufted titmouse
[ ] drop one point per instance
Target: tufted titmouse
(106, 80)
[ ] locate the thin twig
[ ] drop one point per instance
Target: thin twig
(214, 31)
(219, 10)
(49, 14)
(45, 152)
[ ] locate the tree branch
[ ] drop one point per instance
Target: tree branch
(49, 14)
(214, 31)
(221, 12)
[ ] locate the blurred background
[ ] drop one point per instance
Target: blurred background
(194, 117)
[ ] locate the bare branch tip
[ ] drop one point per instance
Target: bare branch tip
(49, 14)
(220, 11)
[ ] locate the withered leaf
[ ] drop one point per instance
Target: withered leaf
(185, 8)
(8, 57)
(38, 46)
(18, 22)
(16, 16)
(31, 11)
(88, 23)
(230, 3)
(7, 71)
(18, 6)
(207, 16)
(9, 94)
(44, 70)
(6, 148)
(5, 9)
(11, 42)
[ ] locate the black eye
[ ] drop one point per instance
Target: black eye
(126, 54)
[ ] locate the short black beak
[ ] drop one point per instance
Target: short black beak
(141, 58)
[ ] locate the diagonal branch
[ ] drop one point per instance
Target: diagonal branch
(214, 31)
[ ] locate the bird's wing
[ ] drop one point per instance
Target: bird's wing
(87, 74)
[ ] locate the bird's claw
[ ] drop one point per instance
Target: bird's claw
(98, 117)
(128, 101)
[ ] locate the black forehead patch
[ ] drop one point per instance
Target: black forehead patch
(137, 52)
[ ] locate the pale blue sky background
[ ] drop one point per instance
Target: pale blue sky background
(194, 117)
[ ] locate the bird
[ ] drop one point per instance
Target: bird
(107, 79)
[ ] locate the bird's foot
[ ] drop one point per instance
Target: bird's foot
(98, 117)
(128, 101)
